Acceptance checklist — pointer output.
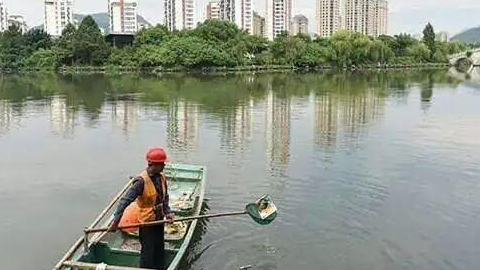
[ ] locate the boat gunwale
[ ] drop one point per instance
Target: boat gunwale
(193, 225)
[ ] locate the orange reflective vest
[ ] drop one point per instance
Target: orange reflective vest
(146, 202)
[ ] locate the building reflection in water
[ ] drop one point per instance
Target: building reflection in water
(337, 114)
(125, 114)
(236, 129)
(277, 127)
(182, 126)
(62, 118)
(6, 113)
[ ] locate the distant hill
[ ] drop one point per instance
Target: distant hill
(471, 35)
(100, 18)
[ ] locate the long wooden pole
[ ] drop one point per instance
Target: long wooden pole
(95, 223)
(93, 266)
(154, 223)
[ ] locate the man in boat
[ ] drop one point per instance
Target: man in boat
(149, 192)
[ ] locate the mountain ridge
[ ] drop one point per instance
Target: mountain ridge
(471, 35)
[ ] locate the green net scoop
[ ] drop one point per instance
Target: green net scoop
(263, 211)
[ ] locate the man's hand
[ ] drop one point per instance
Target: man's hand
(169, 218)
(113, 226)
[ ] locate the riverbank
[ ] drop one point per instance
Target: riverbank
(240, 69)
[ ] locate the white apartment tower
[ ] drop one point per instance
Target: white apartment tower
(57, 14)
(3, 17)
(180, 14)
(328, 18)
(213, 10)
(122, 15)
(381, 18)
(279, 15)
(369, 17)
(246, 16)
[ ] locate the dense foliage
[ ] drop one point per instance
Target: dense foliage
(215, 43)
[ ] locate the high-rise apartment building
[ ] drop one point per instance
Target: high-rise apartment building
(213, 10)
(259, 25)
(279, 16)
(369, 17)
(327, 15)
(381, 18)
(180, 14)
(18, 21)
(360, 16)
(299, 25)
(3, 17)
(246, 16)
(57, 14)
(227, 10)
(122, 15)
(239, 12)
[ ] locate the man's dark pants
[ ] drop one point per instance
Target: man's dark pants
(153, 247)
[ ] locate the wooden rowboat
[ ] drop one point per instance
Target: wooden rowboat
(121, 250)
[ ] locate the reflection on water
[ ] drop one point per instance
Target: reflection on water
(470, 77)
(370, 170)
(342, 102)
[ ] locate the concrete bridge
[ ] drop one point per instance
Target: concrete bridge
(474, 58)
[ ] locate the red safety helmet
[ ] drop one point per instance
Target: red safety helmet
(156, 155)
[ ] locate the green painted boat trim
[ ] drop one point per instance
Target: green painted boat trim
(110, 247)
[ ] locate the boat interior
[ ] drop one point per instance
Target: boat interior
(121, 248)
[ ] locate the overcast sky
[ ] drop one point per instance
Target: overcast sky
(405, 15)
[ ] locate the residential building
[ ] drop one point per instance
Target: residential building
(3, 17)
(328, 17)
(258, 27)
(57, 15)
(122, 15)
(246, 16)
(369, 17)
(239, 12)
(213, 10)
(299, 25)
(18, 21)
(279, 15)
(180, 14)
(227, 10)
(381, 18)
(360, 16)
(442, 36)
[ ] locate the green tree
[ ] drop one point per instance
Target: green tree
(125, 57)
(154, 56)
(89, 44)
(401, 44)
(13, 48)
(419, 52)
(38, 39)
(380, 52)
(217, 31)
(45, 59)
(429, 38)
(153, 36)
(65, 46)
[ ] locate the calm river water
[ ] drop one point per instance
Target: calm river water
(372, 170)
